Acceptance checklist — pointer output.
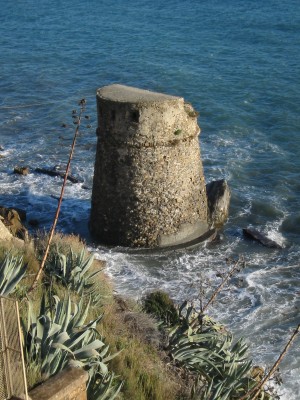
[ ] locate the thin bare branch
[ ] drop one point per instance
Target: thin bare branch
(255, 392)
(222, 284)
(52, 230)
(234, 269)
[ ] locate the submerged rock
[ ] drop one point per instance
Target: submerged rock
(261, 238)
(218, 201)
(33, 222)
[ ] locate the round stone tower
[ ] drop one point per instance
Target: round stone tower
(149, 188)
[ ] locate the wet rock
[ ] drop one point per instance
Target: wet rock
(33, 222)
(21, 170)
(218, 201)
(55, 172)
(12, 220)
(215, 239)
(261, 238)
(22, 213)
(86, 187)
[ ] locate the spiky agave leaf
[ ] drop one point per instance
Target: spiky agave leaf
(104, 389)
(201, 345)
(54, 340)
(12, 270)
(73, 271)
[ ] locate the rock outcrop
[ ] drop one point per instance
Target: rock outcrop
(56, 172)
(21, 170)
(256, 235)
(5, 234)
(218, 201)
(12, 220)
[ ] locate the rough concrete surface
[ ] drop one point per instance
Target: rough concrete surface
(69, 384)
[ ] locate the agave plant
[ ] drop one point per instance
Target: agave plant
(12, 270)
(52, 342)
(205, 347)
(103, 388)
(73, 270)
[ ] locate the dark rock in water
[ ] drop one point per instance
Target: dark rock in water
(261, 238)
(215, 239)
(12, 221)
(218, 201)
(33, 222)
(22, 213)
(55, 172)
(21, 170)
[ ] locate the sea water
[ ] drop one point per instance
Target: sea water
(237, 62)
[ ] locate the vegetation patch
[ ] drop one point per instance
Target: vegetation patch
(153, 350)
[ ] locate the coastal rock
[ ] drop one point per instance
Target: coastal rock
(21, 170)
(12, 220)
(22, 213)
(218, 201)
(7, 237)
(33, 222)
(5, 234)
(261, 238)
(55, 172)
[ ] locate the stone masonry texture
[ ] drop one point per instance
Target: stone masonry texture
(148, 189)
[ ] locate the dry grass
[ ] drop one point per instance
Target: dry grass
(139, 364)
(60, 242)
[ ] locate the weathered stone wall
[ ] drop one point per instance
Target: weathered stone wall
(149, 188)
(69, 384)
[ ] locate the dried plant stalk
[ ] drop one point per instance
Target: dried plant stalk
(52, 230)
(255, 392)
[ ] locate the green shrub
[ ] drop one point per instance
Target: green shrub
(160, 305)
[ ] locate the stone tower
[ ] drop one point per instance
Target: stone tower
(149, 188)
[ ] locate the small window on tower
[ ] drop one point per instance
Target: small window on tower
(135, 116)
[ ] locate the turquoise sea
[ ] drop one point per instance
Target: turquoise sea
(238, 63)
